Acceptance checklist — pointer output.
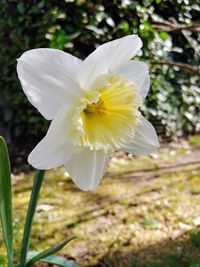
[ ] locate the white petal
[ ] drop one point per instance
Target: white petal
(47, 78)
(55, 148)
(145, 140)
(138, 72)
(87, 168)
(109, 57)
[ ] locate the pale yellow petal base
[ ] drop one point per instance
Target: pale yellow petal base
(107, 115)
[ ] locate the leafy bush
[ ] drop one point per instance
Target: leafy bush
(78, 27)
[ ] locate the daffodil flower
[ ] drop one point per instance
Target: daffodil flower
(93, 105)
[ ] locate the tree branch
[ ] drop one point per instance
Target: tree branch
(183, 66)
(168, 26)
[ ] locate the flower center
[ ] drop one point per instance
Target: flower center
(107, 116)
(97, 108)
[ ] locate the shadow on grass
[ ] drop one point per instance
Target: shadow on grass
(168, 253)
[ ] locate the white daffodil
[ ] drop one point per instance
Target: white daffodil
(93, 105)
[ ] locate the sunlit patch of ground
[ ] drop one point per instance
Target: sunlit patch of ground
(145, 213)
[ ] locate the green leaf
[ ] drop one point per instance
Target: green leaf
(54, 260)
(48, 252)
(30, 214)
(6, 200)
(152, 224)
(164, 35)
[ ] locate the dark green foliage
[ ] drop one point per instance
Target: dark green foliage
(195, 237)
(78, 27)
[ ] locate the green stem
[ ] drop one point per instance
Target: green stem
(30, 214)
(10, 263)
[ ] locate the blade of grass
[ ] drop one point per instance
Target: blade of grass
(30, 214)
(6, 200)
(55, 260)
(48, 252)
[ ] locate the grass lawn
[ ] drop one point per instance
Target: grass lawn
(145, 213)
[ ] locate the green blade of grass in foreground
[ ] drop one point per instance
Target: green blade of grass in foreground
(47, 256)
(6, 200)
(54, 260)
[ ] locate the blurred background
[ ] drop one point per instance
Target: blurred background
(147, 210)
